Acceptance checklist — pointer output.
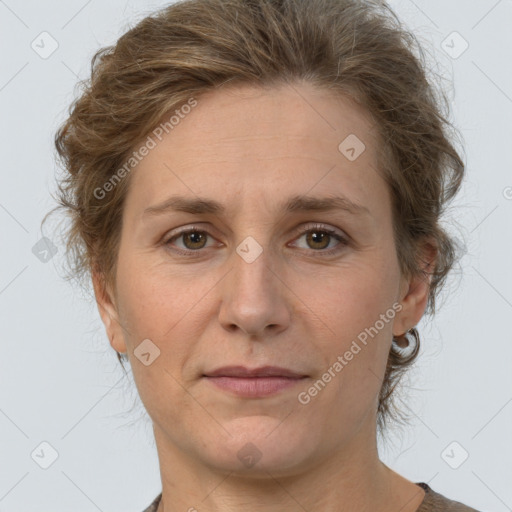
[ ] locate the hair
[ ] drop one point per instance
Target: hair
(357, 49)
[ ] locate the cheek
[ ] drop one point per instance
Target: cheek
(168, 308)
(351, 299)
(356, 305)
(155, 299)
(158, 307)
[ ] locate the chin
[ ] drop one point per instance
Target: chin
(260, 445)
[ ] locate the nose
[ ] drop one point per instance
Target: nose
(255, 298)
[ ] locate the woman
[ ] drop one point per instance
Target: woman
(255, 190)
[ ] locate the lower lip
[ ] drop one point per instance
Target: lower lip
(254, 387)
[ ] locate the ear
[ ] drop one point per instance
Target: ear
(108, 312)
(414, 292)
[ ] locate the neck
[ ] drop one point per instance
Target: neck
(351, 478)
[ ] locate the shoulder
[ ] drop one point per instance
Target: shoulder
(435, 502)
(154, 505)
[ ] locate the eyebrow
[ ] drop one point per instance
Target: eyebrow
(198, 206)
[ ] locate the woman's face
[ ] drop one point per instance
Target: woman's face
(258, 284)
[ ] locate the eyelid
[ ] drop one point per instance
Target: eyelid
(340, 236)
(186, 229)
(342, 239)
(309, 226)
(175, 233)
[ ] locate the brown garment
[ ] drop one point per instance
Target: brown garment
(435, 502)
(432, 502)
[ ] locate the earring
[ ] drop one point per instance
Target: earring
(406, 345)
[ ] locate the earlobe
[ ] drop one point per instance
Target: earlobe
(108, 312)
(105, 304)
(415, 300)
(413, 304)
(118, 345)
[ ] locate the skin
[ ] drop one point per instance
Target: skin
(251, 149)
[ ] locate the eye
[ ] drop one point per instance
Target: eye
(193, 238)
(318, 238)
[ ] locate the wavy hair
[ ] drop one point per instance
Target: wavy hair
(354, 48)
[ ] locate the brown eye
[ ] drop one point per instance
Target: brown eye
(318, 238)
(192, 240)
(197, 239)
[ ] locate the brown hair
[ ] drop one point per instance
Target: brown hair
(350, 47)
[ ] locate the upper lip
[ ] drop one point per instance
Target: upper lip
(263, 371)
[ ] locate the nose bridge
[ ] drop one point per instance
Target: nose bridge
(253, 252)
(252, 274)
(252, 296)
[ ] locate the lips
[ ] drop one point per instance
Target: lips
(264, 371)
(254, 383)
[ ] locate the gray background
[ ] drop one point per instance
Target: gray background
(60, 380)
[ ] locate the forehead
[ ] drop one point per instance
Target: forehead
(245, 140)
(243, 113)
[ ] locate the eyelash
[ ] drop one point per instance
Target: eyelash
(309, 229)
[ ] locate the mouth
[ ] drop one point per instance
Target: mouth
(255, 383)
